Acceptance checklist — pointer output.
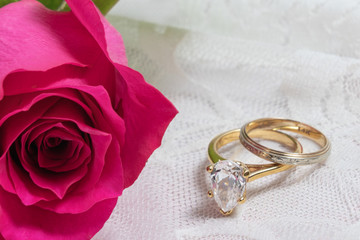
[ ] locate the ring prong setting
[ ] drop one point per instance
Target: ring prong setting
(242, 200)
(209, 168)
(226, 213)
(210, 194)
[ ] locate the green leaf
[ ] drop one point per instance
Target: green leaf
(60, 5)
(5, 2)
(51, 4)
(105, 5)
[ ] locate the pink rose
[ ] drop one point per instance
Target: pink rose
(76, 124)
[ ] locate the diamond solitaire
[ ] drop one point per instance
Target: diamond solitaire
(228, 184)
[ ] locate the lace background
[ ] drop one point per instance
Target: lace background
(223, 63)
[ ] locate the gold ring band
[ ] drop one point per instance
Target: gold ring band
(285, 157)
(229, 177)
(256, 170)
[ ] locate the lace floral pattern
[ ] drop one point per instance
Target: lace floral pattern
(284, 59)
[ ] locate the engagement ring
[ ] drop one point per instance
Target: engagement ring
(229, 177)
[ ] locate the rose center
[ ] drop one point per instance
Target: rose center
(53, 142)
(56, 148)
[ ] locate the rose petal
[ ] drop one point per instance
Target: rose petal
(79, 157)
(33, 45)
(108, 186)
(50, 157)
(23, 185)
(21, 182)
(57, 182)
(11, 130)
(98, 93)
(31, 195)
(62, 77)
(12, 105)
(67, 111)
(101, 182)
(29, 155)
(106, 36)
(112, 184)
(146, 113)
(21, 222)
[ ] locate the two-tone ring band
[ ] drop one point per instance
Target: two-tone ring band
(255, 170)
(229, 177)
(291, 158)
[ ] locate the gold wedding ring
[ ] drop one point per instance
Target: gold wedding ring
(275, 125)
(229, 177)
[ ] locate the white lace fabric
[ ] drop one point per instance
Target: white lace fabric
(297, 60)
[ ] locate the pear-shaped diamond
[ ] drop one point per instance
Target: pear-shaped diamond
(228, 184)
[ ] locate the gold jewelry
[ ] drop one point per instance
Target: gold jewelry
(285, 157)
(229, 177)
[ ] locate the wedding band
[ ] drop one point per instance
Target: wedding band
(229, 177)
(285, 157)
